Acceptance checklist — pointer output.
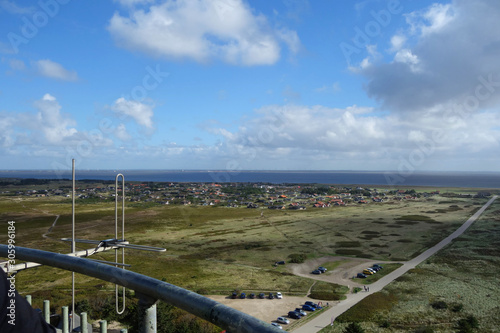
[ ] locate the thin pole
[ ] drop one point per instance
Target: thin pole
(73, 250)
(118, 310)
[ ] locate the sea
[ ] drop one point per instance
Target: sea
(386, 178)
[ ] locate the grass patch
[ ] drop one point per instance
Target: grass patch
(325, 291)
(368, 308)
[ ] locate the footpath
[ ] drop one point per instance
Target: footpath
(327, 317)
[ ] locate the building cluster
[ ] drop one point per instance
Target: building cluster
(256, 195)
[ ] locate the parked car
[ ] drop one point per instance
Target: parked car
(302, 312)
(316, 271)
(377, 265)
(277, 325)
(252, 296)
(376, 269)
(367, 272)
(234, 295)
(262, 295)
(283, 320)
(361, 276)
(322, 269)
(294, 315)
(243, 296)
(314, 305)
(372, 270)
(278, 295)
(271, 296)
(308, 307)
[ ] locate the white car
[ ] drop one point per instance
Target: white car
(283, 320)
(278, 295)
(277, 325)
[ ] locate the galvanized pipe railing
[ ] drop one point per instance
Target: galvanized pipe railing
(219, 314)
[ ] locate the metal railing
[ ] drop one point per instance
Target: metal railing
(231, 320)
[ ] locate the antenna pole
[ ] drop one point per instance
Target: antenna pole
(73, 250)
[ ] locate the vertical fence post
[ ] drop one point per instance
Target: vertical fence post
(46, 311)
(103, 325)
(83, 322)
(147, 313)
(65, 325)
(28, 299)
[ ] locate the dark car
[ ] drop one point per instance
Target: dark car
(378, 266)
(361, 276)
(234, 295)
(262, 295)
(316, 271)
(302, 312)
(294, 315)
(243, 295)
(314, 305)
(252, 295)
(271, 296)
(308, 307)
(322, 269)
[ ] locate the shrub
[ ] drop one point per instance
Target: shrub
(467, 325)
(424, 329)
(354, 328)
(297, 258)
(456, 307)
(439, 305)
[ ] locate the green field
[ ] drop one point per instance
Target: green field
(216, 250)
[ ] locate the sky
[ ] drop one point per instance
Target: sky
(250, 85)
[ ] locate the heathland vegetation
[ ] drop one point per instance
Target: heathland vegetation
(223, 237)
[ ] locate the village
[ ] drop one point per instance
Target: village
(231, 195)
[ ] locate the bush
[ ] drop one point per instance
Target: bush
(439, 305)
(456, 307)
(424, 329)
(297, 258)
(467, 325)
(354, 328)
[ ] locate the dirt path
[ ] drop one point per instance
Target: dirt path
(51, 227)
(328, 316)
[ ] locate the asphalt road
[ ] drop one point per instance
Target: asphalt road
(329, 316)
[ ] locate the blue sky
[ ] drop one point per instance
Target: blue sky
(249, 85)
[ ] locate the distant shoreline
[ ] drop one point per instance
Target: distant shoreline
(381, 178)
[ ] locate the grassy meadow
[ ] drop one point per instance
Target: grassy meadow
(216, 250)
(458, 285)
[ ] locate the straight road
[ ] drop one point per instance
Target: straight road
(327, 317)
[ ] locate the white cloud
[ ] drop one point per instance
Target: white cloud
(397, 42)
(432, 20)
(140, 112)
(454, 50)
(53, 70)
(55, 127)
(121, 133)
(202, 30)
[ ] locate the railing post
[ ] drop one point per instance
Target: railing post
(83, 322)
(147, 313)
(46, 311)
(65, 326)
(103, 326)
(28, 299)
